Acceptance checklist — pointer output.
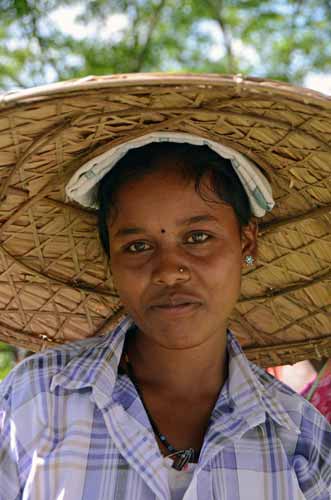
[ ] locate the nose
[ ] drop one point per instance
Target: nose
(167, 272)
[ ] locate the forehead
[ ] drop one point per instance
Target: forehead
(168, 180)
(166, 197)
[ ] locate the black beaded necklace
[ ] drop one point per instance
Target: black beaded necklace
(181, 457)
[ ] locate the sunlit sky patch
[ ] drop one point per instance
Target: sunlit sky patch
(114, 26)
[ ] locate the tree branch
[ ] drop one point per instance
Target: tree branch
(144, 50)
(217, 14)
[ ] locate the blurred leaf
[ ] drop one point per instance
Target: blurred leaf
(277, 39)
(7, 359)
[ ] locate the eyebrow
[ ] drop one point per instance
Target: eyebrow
(126, 231)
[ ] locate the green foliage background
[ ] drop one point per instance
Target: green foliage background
(288, 37)
(280, 39)
(7, 357)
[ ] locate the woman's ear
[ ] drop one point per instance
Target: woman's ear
(249, 240)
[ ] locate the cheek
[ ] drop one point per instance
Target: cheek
(223, 272)
(128, 284)
(225, 259)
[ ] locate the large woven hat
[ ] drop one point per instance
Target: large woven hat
(55, 284)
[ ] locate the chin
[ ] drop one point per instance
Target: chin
(178, 333)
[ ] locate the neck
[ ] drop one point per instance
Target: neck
(189, 374)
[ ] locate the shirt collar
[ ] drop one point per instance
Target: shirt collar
(95, 364)
(253, 391)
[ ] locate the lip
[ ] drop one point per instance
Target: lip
(171, 301)
(176, 310)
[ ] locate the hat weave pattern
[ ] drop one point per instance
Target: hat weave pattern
(55, 283)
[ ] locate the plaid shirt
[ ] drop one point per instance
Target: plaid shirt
(72, 428)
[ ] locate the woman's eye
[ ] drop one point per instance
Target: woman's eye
(138, 246)
(199, 237)
(142, 246)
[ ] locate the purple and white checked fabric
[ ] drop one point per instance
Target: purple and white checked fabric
(72, 428)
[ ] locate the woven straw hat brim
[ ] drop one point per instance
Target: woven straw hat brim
(55, 283)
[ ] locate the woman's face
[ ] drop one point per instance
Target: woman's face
(162, 225)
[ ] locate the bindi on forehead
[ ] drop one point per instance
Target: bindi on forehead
(128, 231)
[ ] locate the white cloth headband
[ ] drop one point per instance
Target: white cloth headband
(83, 185)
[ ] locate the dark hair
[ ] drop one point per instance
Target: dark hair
(196, 162)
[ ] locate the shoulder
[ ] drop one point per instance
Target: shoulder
(274, 386)
(296, 406)
(33, 375)
(308, 450)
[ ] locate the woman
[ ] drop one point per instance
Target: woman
(166, 405)
(181, 252)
